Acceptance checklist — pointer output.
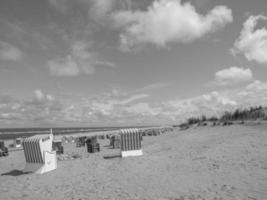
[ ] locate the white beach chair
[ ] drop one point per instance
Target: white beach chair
(18, 142)
(131, 142)
(39, 155)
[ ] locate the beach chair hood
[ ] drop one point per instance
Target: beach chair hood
(38, 154)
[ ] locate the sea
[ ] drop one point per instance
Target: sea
(13, 133)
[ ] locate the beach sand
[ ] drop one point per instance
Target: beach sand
(217, 163)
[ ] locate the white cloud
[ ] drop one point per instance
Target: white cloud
(80, 60)
(117, 107)
(257, 86)
(252, 43)
(132, 98)
(40, 96)
(106, 64)
(41, 108)
(167, 21)
(233, 75)
(64, 67)
(216, 102)
(220, 99)
(107, 104)
(100, 8)
(154, 86)
(253, 94)
(9, 52)
(143, 109)
(209, 104)
(212, 103)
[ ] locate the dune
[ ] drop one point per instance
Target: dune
(217, 163)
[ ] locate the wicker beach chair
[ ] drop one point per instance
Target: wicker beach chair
(18, 142)
(80, 141)
(38, 154)
(131, 142)
(92, 145)
(115, 141)
(3, 149)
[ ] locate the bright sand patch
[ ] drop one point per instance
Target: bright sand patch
(202, 163)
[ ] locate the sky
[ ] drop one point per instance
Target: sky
(129, 62)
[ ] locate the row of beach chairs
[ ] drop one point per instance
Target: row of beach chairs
(40, 157)
(156, 131)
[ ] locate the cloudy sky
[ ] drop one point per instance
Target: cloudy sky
(129, 62)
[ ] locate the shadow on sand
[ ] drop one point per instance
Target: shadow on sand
(14, 173)
(112, 156)
(108, 146)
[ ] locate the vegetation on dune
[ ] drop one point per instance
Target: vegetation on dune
(253, 113)
(227, 118)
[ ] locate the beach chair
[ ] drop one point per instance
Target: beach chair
(115, 141)
(17, 142)
(65, 139)
(3, 149)
(92, 145)
(71, 139)
(80, 141)
(131, 142)
(38, 154)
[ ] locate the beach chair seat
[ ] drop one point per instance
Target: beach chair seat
(40, 158)
(93, 148)
(131, 142)
(57, 146)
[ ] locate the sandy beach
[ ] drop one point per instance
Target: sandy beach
(216, 163)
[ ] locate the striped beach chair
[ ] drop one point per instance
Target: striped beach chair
(131, 142)
(38, 154)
